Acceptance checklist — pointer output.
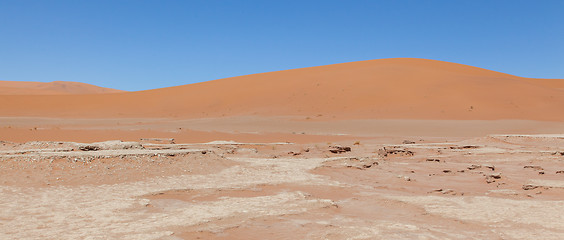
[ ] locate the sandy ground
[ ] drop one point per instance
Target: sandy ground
(257, 129)
(494, 187)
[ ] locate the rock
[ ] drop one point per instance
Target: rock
(447, 171)
(491, 177)
(529, 187)
(445, 191)
(158, 140)
(464, 147)
(110, 145)
(491, 167)
(89, 148)
(495, 175)
(535, 167)
(558, 172)
(339, 149)
(370, 164)
(395, 151)
(408, 142)
(473, 166)
(406, 178)
(362, 163)
(541, 172)
(432, 160)
(448, 191)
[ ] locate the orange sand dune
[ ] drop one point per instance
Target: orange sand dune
(400, 88)
(51, 88)
(551, 83)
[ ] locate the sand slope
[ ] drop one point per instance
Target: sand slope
(51, 88)
(401, 88)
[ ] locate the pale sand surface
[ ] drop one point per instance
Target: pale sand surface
(455, 188)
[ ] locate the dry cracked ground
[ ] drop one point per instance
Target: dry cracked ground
(494, 187)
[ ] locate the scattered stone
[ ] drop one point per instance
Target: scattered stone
(495, 175)
(464, 147)
(535, 167)
(395, 151)
(89, 148)
(353, 162)
(408, 142)
(448, 191)
(367, 163)
(339, 149)
(110, 145)
(491, 177)
(158, 140)
(558, 172)
(444, 191)
(473, 166)
(561, 153)
(406, 178)
(491, 167)
(541, 172)
(529, 187)
(433, 160)
(294, 153)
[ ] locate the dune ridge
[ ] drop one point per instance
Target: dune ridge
(51, 88)
(398, 88)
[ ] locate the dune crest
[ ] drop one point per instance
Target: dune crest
(399, 88)
(51, 88)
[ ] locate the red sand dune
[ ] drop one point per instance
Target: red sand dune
(400, 88)
(51, 88)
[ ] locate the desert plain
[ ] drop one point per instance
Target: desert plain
(382, 149)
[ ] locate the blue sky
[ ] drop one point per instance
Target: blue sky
(137, 45)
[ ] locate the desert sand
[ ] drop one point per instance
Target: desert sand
(377, 89)
(381, 149)
(51, 88)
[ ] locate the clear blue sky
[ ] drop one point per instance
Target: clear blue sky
(137, 45)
